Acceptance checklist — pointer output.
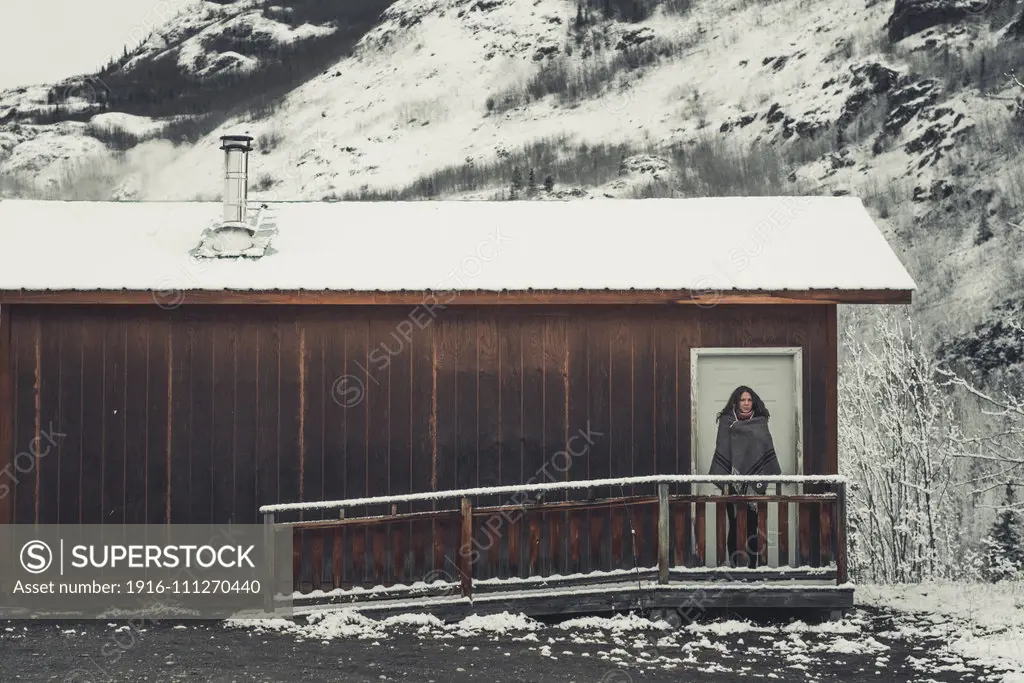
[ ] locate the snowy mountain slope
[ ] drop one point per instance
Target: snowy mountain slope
(921, 128)
(173, 75)
(191, 41)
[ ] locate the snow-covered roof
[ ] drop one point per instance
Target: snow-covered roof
(709, 244)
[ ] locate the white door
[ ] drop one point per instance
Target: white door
(775, 376)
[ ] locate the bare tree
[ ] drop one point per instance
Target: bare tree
(900, 442)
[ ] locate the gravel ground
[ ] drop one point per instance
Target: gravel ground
(871, 645)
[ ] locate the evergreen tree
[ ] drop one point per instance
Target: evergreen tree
(984, 230)
(549, 183)
(531, 186)
(1003, 548)
(517, 183)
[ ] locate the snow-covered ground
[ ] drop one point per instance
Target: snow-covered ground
(922, 633)
(981, 622)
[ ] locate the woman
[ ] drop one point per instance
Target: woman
(744, 446)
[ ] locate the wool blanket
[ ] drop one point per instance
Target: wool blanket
(744, 447)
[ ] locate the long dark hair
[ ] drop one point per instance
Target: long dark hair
(759, 408)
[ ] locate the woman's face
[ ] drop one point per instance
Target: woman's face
(746, 403)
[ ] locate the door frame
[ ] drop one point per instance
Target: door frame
(796, 352)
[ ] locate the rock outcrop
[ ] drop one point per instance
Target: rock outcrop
(913, 16)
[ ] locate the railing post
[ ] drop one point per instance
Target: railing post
(466, 548)
(841, 570)
(268, 551)
(663, 533)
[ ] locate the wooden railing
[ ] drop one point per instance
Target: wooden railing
(466, 536)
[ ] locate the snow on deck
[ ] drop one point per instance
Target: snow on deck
(708, 244)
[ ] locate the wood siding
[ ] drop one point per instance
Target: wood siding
(204, 413)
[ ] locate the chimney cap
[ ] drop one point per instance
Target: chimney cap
(242, 142)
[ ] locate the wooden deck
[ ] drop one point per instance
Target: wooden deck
(665, 551)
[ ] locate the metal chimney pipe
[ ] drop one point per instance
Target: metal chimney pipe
(236, 176)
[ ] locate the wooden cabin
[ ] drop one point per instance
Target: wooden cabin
(446, 399)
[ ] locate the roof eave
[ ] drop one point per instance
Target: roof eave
(174, 299)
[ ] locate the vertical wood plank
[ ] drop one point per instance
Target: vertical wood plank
(663, 533)
(831, 400)
(202, 422)
(268, 397)
(644, 428)
(700, 530)
(92, 402)
(556, 402)
(382, 344)
(136, 417)
(681, 530)
(399, 551)
(533, 521)
(339, 390)
(557, 461)
(7, 450)
(510, 431)
(621, 395)
(337, 561)
(489, 447)
(535, 458)
(515, 531)
(312, 406)
(816, 361)
(666, 387)
(619, 539)
(842, 572)
(69, 447)
(360, 569)
(579, 432)
(421, 437)
(825, 534)
(466, 548)
(689, 333)
(183, 335)
(762, 534)
(600, 330)
(316, 573)
(720, 533)
(225, 394)
(294, 400)
(248, 497)
(447, 366)
(400, 439)
(556, 555)
(576, 521)
(467, 400)
(47, 456)
(159, 397)
(114, 447)
(783, 516)
(356, 443)
(804, 550)
(378, 535)
(298, 542)
(598, 559)
(743, 544)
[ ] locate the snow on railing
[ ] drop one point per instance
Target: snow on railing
(558, 486)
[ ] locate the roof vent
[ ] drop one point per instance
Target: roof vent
(239, 233)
